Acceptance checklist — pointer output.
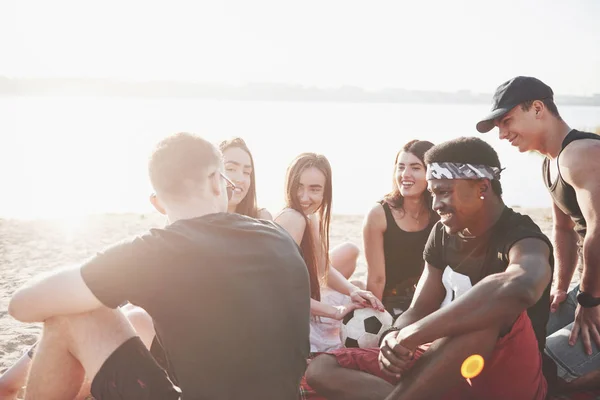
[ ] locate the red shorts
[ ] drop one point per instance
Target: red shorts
(513, 371)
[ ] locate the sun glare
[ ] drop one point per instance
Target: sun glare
(72, 225)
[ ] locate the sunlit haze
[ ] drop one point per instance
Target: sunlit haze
(69, 156)
(438, 45)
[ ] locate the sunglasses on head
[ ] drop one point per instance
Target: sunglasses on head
(230, 186)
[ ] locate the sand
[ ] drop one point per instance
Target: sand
(28, 248)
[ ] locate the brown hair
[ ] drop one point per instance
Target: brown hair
(248, 205)
(418, 148)
(309, 249)
(548, 103)
(179, 163)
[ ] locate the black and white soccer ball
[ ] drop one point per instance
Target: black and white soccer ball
(363, 327)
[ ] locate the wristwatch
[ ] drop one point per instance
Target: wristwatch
(587, 300)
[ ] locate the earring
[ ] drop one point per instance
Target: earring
(481, 197)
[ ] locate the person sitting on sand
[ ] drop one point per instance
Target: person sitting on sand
(396, 229)
(239, 167)
(306, 217)
(205, 279)
(484, 291)
(13, 380)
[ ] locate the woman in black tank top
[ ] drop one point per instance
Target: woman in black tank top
(396, 229)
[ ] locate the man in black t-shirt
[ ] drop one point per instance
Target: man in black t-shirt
(229, 297)
(486, 282)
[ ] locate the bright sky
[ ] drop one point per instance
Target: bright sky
(438, 45)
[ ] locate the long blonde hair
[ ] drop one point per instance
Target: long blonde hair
(309, 250)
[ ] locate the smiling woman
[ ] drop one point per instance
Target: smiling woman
(239, 167)
(306, 217)
(396, 229)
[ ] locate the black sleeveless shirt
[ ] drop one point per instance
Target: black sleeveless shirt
(403, 251)
(562, 193)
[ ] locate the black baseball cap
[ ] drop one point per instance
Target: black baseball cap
(512, 93)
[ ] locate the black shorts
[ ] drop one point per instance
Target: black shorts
(131, 373)
(158, 353)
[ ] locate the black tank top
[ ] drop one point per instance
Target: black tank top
(562, 193)
(403, 251)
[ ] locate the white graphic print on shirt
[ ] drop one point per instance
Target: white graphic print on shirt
(456, 284)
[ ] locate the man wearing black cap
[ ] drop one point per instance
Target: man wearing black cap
(525, 114)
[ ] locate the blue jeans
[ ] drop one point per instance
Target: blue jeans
(572, 361)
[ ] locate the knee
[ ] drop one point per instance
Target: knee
(142, 324)
(319, 370)
(139, 318)
(103, 320)
(9, 388)
(344, 258)
(351, 250)
(589, 381)
(8, 392)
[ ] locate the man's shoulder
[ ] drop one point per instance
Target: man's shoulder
(587, 144)
(214, 222)
(514, 219)
(218, 230)
(229, 236)
(516, 226)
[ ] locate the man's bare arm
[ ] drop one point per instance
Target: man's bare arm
(565, 247)
(565, 253)
(496, 300)
(427, 299)
(60, 293)
(579, 166)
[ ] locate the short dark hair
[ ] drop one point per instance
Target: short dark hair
(548, 103)
(466, 150)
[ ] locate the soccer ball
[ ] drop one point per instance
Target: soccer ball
(363, 327)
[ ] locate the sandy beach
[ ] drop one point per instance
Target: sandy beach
(30, 247)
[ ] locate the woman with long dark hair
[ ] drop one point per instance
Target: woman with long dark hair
(239, 167)
(396, 229)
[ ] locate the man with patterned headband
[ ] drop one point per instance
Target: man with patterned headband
(485, 290)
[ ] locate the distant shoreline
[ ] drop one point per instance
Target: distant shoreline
(249, 92)
(538, 211)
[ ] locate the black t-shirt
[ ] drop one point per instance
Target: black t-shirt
(230, 300)
(466, 261)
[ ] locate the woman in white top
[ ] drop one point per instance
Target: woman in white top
(306, 217)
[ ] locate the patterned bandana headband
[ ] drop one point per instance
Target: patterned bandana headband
(449, 170)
